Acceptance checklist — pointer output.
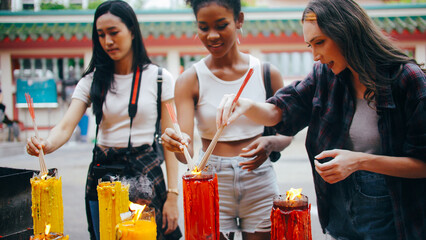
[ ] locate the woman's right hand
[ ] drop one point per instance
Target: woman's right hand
(34, 145)
(227, 113)
(173, 142)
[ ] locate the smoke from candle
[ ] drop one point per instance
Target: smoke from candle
(140, 188)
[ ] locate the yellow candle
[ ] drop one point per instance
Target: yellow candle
(113, 199)
(47, 206)
(49, 236)
(124, 199)
(141, 229)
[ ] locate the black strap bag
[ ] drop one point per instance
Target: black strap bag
(269, 131)
(108, 169)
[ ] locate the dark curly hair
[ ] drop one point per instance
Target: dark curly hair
(366, 49)
(234, 5)
(101, 64)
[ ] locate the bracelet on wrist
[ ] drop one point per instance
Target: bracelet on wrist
(173, 190)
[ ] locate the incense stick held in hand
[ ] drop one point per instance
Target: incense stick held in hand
(43, 168)
(219, 131)
(188, 158)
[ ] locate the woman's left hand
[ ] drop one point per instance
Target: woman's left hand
(259, 150)
(170, 213)
(343, 164)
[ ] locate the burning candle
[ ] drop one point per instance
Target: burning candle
(47, 206)
(113, 200)
(290, 217)
(47, 235)
(50, 236)
(201, 205)
(143, 227)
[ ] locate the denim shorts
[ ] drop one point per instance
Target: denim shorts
(245, 198)
(361, 208)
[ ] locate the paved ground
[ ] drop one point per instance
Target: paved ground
(72, 160)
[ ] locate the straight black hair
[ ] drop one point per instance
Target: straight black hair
(101, 64)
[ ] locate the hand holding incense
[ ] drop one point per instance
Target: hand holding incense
(219, 131)
(188, 158)
(43, 168)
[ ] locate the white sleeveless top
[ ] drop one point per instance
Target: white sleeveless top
(211, 92)
(114, 128)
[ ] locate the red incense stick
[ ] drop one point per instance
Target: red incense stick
(43, 168)
(188, 158)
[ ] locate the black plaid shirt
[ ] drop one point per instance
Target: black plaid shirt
(324, 103)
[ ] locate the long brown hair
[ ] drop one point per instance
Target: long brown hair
(366, 49)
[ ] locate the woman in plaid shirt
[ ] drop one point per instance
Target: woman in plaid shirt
(364, 106)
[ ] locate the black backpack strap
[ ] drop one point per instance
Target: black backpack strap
(159, 90)
(133, 101)
(267, 79)
(268, 131)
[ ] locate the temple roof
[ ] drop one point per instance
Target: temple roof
(78, 24)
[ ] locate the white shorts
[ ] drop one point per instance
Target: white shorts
(245, 198)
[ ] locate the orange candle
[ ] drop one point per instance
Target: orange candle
(291, 218)
(201, 205)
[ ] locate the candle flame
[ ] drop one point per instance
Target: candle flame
(44, 176)
(196, 171)
(47, 229)
(293, 193)
(138, 209)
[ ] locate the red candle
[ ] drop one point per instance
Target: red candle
(291, 218)
(201, 205)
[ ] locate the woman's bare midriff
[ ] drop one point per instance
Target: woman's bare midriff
(228, 149)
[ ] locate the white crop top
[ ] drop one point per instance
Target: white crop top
(211, 92)
(114, 128)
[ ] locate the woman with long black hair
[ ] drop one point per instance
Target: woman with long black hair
(119, 57)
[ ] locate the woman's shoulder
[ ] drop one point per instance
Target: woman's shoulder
(408, 73)
(86, 79)
(154, 70)
(413, 79)
(187, 75)
(413, 70)
(188, 80)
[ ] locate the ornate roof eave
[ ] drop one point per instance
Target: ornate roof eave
(77, 25)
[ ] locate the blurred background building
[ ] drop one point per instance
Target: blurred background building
(46, 45)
